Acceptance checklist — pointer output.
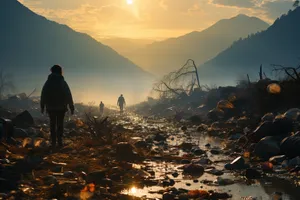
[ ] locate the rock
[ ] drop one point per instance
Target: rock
(20, 133)
(184, 128)
(141, 144)
(168, 182)
(198, 152)
(159, 137)
(23, 120)
(168, 196)
(202, 161)
(267, 167)
(186, 146)
(193, 169)
(96, 176)
(263, 130)
(49, 180)
(277, 159)
(283, 126)
(105, 182)
(69, 174)
(290, 146)
(267, 148)
(217, 195)
(124, 152)
(279, 127)
(215, 151)
(252, 174)
(175, 174)
(292, 114)
(57, 169)
(185, 162)
(291, 163)
(268, 117)
(224, 181)
(236, 164)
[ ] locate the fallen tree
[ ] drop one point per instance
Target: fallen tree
(182, 81)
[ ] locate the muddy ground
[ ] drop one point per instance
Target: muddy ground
(140, 158)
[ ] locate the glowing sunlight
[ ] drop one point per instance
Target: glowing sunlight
(129, 2)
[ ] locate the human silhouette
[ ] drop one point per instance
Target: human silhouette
(56, 97)
(121, 103)
(101, 108)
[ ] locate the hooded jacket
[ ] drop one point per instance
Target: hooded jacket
(56, 94)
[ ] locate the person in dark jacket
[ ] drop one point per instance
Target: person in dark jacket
(56, 97)
(121, 103)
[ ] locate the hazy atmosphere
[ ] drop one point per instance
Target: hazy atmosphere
(150, 99)
(151, 19)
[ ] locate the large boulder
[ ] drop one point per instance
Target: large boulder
(267, 147)
(278, 127)
(292, 114)
(23, 120)
(290, 146)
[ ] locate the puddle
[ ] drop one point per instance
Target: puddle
(261, 190)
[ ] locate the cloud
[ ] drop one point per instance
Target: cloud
(275, 9)
(151, 18)
(235, 3)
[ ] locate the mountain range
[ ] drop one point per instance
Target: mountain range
(31, 44)
(279, 44)
(165, 56)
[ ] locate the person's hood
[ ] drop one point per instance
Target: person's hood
(55, 77)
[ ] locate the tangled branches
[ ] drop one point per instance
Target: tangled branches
(290, 72)
(182, 81)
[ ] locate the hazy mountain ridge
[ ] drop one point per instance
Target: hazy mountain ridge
(31, 44)
(279, 44)
(126, 45)
(165, 56)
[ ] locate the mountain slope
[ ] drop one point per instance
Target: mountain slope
(31, 44)
(279, 44)
(165, 56)
(126, 45)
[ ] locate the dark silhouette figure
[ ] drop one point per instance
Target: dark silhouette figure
(56, 97)
(121, 103)
(101, 108)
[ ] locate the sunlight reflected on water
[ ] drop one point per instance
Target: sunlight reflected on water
(133, 190)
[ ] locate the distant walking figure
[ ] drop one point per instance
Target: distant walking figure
(56, 97)
(101, 108)
(121, 103)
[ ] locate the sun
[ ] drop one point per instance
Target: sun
(129, 2)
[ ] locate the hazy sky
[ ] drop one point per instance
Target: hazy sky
(151, 18)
